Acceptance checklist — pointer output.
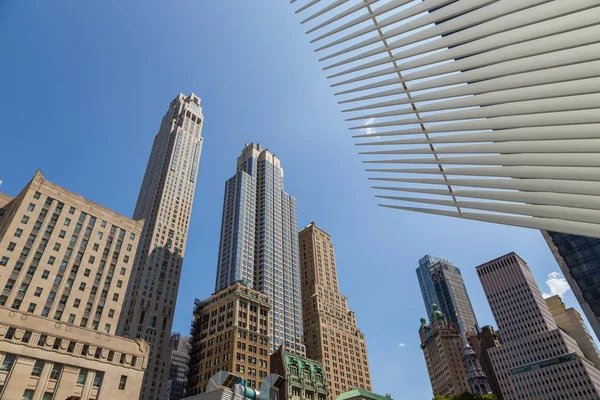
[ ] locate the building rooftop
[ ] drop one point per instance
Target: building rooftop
(361, 393)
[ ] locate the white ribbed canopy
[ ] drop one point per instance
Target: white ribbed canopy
(478, 109)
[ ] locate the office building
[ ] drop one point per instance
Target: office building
(230, 332)
(165, 204)
(41, 358)
(481, 341)
(571, 322)
(259, 242)
(536, 359)
(65, 257)
(304, 378)
(442, 347)
(425, 281)
(330, 331)
(579, 260)
(441, 281)
(178, 371)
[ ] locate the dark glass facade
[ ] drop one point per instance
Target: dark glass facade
(579, 260)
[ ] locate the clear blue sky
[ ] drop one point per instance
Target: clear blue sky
(84, 85)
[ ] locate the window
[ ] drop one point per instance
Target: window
(56, 371)
(111, 313)
(38, 292)
(51, 260)
(98, 379)
(119, 284)
(9, 360)
(126, 259)
(56, 246)
(45, 311)
(11, 246)
(82, 286)
(129, 247)
(62, 234)
(71, 318)
(25, 219)
(37, 368)
(99, 235)
(122, 382)
(123, 270)
(4, 261)
(67, 222)
(31, 307)
(87, 272)
(132, 236)
(116, 297)
(45, 274)
(107, 328)
(103, 224)
(82, 376)
(152, 321)
(48, 396)
(27, 394)
(37, 195)
(18, 233)
(76, 303)
(72, 210)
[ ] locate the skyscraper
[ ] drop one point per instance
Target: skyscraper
(579, 260)
(537, 359)
(165, 204)
(330, 332)
(178, 370)
(442, 347)
(425, 282)
(259, 242)
(442, 284)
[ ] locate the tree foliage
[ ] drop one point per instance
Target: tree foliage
(466, 396)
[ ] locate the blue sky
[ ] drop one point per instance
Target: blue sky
(83, 88)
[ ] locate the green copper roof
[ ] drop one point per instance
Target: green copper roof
(361, 393)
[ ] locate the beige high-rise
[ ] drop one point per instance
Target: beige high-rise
(230, 332)
(330, 332)
(65, 263)
(165, 203)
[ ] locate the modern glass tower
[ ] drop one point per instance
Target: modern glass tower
(165, 204)
(259, 242)
(579, 260)
(442, 284)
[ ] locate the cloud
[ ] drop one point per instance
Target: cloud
(557, 285)
(401, 344)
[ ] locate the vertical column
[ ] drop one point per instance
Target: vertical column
(64, 387)
(43, 379)
(18, 378)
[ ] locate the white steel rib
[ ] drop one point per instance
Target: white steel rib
(488, 110)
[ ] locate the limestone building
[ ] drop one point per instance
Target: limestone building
(42, 359)
(304, 378)
(536, 359)
(330, 331)
(230, 332)
(570, 321)
(442, 347)
(165, 203)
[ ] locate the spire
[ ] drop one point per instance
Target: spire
(475, 375)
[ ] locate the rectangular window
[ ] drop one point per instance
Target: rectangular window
(99, 235)
(119, 283)
(76, 303)
(31, 307)
(82, 376)
(18, 233)
(82, 286)
(7, 363)
(38, 292)
(48, 396)
(122, 382)
(27, 394)
(51, 260)
(45, 274)
(111, 313)
(71, 318)
(67, 222)
(37, 368)
(37, 195)
(11, 246)
(25, 219)
(4, 261)
(98, 379)
(72, 210)
(116, 297)
(123, 270)
(107, 328)
(62, 234)
(56, 246)
(56, 371)
(86, 272)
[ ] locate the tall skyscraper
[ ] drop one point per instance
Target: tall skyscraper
(178, 371)
(165, 204)
(537, 359)
(442, 347)
(330, 332)
(259, 242)
(442, 284)
(579, 260)
(425, 281)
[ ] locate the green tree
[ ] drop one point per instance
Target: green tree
(466, 396)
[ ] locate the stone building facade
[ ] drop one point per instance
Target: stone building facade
(304, 378)
(179, 368)
(442, 347)
(330, 331)
(230, 332)
(481, 341)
